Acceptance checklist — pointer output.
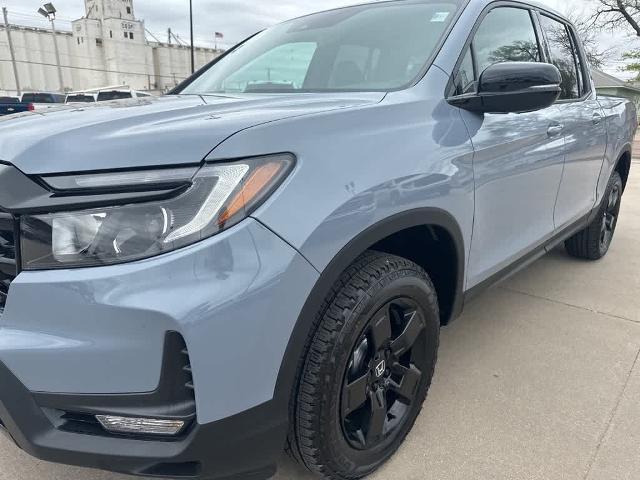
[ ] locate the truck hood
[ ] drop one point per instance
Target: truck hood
(148, 132)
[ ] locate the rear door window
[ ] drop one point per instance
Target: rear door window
(80, 99)
(563, 55)
(114, 95)
(39, 98)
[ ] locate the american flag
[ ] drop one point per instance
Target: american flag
(219, 35)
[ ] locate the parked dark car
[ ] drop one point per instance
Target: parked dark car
(11, 105)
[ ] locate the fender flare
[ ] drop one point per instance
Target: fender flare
(626, 149)
(306, 325)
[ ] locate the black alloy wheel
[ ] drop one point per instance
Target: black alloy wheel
(594, 241)
(383, 374)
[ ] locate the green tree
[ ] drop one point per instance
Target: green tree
(633, 65)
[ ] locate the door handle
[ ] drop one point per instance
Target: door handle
(555, 129)
(597, 118)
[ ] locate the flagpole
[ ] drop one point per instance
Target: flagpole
(216, 36)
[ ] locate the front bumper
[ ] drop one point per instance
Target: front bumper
(245, 445)
(88, 340)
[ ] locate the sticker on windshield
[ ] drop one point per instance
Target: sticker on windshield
(439, 17)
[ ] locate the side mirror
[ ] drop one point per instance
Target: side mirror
(513, 87)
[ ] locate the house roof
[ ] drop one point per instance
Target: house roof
(603, 80)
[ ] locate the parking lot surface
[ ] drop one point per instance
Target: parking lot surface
(540, 379)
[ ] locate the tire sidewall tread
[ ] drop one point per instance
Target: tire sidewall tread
(321, 447)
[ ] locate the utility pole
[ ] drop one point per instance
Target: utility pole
(193, 58)
(169, 35)
(55, 47)
(11, 50)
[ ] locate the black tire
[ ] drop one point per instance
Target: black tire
(333, 434)
(594, 242)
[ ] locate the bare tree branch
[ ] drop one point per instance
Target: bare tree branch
(614, 14)
(588, 33)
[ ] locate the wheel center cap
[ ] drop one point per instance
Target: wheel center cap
(380, 369)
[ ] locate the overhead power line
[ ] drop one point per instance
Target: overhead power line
(176, 76)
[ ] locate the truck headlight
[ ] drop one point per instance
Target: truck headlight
(220, 196)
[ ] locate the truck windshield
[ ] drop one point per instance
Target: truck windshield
(375, 47)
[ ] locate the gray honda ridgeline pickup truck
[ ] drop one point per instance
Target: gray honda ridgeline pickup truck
(262, 259)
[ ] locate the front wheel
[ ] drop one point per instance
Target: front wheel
(368, 368)
(594, 242)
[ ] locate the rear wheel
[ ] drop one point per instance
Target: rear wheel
(594, 242)
(368, 368)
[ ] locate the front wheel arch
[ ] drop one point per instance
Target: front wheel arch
(306, 324)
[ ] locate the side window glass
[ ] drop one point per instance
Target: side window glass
(562, 51)
(465, 81)
(506, 35)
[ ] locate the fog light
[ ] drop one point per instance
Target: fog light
(140, 426)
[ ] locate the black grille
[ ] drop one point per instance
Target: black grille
(8, 264)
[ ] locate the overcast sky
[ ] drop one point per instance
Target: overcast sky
(238, 19)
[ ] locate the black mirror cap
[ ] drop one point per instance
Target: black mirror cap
(513, 87)
(516, 76)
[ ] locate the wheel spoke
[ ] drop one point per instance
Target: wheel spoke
(378, 417)
(355, 395)
(408, 386)
(381, 329)
(610, 221)
(603, 230)
(408, 337)
(613, 199)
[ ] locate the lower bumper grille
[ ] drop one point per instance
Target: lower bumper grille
(8, 264)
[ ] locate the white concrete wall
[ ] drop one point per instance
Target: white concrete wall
(118, 61)
(36, 59)
(173, 63)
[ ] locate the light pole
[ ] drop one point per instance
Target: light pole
(48, 11)
(193, 59)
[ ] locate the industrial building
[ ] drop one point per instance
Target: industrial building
(107, 47)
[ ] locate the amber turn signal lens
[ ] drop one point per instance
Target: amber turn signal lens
(259, 179)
